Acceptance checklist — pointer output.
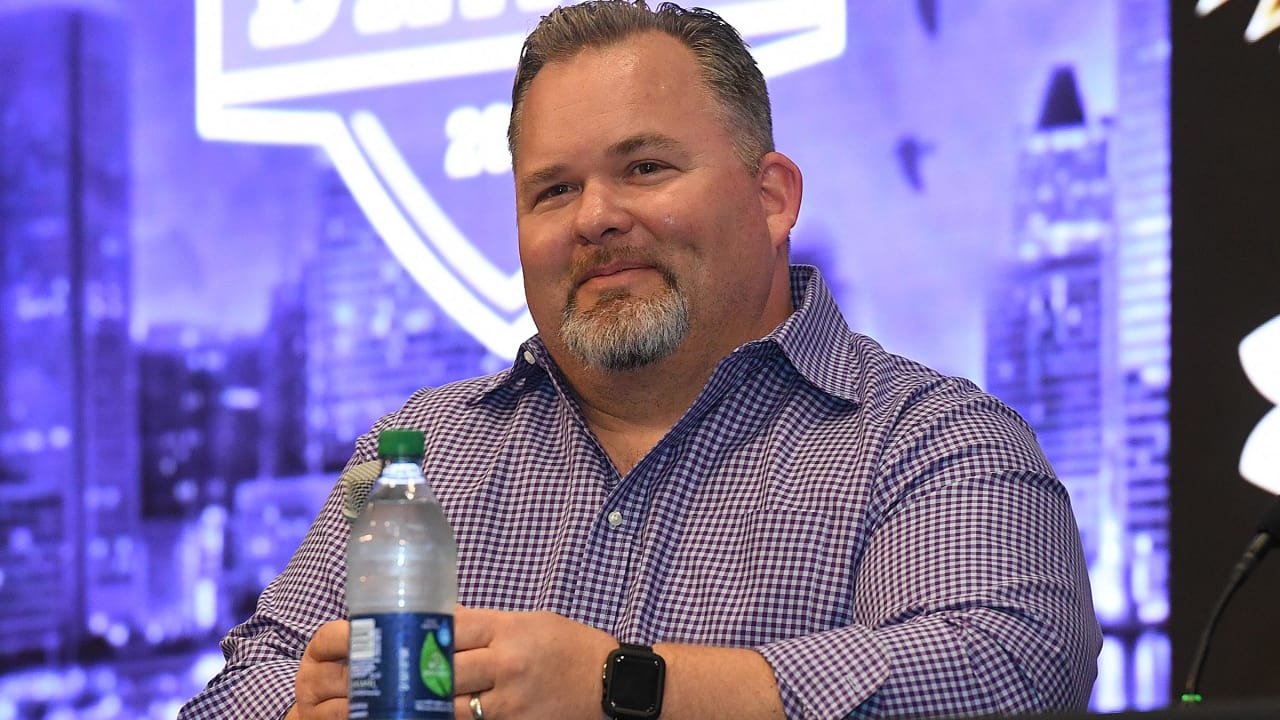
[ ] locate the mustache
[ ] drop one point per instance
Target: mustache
(584, 266)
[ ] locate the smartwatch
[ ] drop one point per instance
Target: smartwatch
(634, 676)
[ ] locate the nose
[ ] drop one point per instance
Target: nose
(602, 212)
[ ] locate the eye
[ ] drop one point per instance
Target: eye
(648, 167)
(554, 191)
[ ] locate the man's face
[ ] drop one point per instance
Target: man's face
(640, 227)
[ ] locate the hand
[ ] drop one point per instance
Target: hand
(527, 665)
(320, 689)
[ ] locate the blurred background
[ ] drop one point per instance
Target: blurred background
(236, 232)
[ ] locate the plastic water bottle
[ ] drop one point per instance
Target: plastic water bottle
(402, 583)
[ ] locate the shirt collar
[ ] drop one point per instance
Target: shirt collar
(815, 339)
(531, 361)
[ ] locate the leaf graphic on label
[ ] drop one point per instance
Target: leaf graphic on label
(434, 667)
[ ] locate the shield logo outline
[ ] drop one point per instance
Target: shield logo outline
(417, 231)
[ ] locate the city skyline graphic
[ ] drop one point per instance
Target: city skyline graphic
(195, 331)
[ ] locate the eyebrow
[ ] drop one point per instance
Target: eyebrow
(622, 148)
(657, 141)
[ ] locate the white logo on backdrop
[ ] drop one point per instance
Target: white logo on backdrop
(271, 72)
(1260, 358)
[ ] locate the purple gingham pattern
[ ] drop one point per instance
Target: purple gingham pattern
(892, 541)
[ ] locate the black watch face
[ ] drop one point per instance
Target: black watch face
(633, 685)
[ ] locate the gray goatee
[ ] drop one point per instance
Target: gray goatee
(625, 331)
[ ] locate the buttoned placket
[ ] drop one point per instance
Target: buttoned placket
(633, 502)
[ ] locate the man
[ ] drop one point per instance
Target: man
(695, 454)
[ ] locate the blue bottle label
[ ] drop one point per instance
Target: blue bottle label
(401, 667)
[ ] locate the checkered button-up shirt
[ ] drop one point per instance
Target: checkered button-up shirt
(892, 541)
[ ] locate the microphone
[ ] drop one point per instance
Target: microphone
(1268, 535)
(356, 484)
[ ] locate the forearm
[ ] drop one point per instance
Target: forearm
(707, 682)
(950, 662)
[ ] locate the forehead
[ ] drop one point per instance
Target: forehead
(650, 53)
(646, 78)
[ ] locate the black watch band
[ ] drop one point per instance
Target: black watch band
(634, 677)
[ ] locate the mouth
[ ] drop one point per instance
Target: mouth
(618, 270)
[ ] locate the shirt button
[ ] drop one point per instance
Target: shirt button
(615, 518)
(528, 357)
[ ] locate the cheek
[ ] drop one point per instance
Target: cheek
(539, 253)
(676, 226)
(544, 300)
(545, 265)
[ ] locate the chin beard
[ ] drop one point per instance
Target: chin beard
(625, 331)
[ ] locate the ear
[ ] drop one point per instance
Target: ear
(781, 187)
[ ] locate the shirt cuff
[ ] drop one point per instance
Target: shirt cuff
(828, 674)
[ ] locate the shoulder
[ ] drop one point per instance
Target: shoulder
(473, 408)
(926, 413)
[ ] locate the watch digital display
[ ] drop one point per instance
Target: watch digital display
(634, 679)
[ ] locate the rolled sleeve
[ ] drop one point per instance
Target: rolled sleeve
(828, 674)
(972, 597)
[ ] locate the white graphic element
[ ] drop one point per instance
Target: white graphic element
(280, 23)
(1260, 358)
(505, 291)
(1265, 20)
(372, 17)
(481, 9)
(477, 141)
(232, 104)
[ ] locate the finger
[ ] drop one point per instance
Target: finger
(488, 703)
(473, 628)
(330, 710)
(320, 682)
(473, 671)
(330, 641)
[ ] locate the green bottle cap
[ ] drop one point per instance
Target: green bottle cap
(401, 442)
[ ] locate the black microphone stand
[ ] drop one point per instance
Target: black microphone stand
(1268, 533)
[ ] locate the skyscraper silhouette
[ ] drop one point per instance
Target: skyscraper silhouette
(373, 335)
(68, 424)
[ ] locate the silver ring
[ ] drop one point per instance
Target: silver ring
(476, 712)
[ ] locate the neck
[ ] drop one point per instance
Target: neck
(630, 411)
(654, 396)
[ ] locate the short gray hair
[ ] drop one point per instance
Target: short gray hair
(728, 70)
